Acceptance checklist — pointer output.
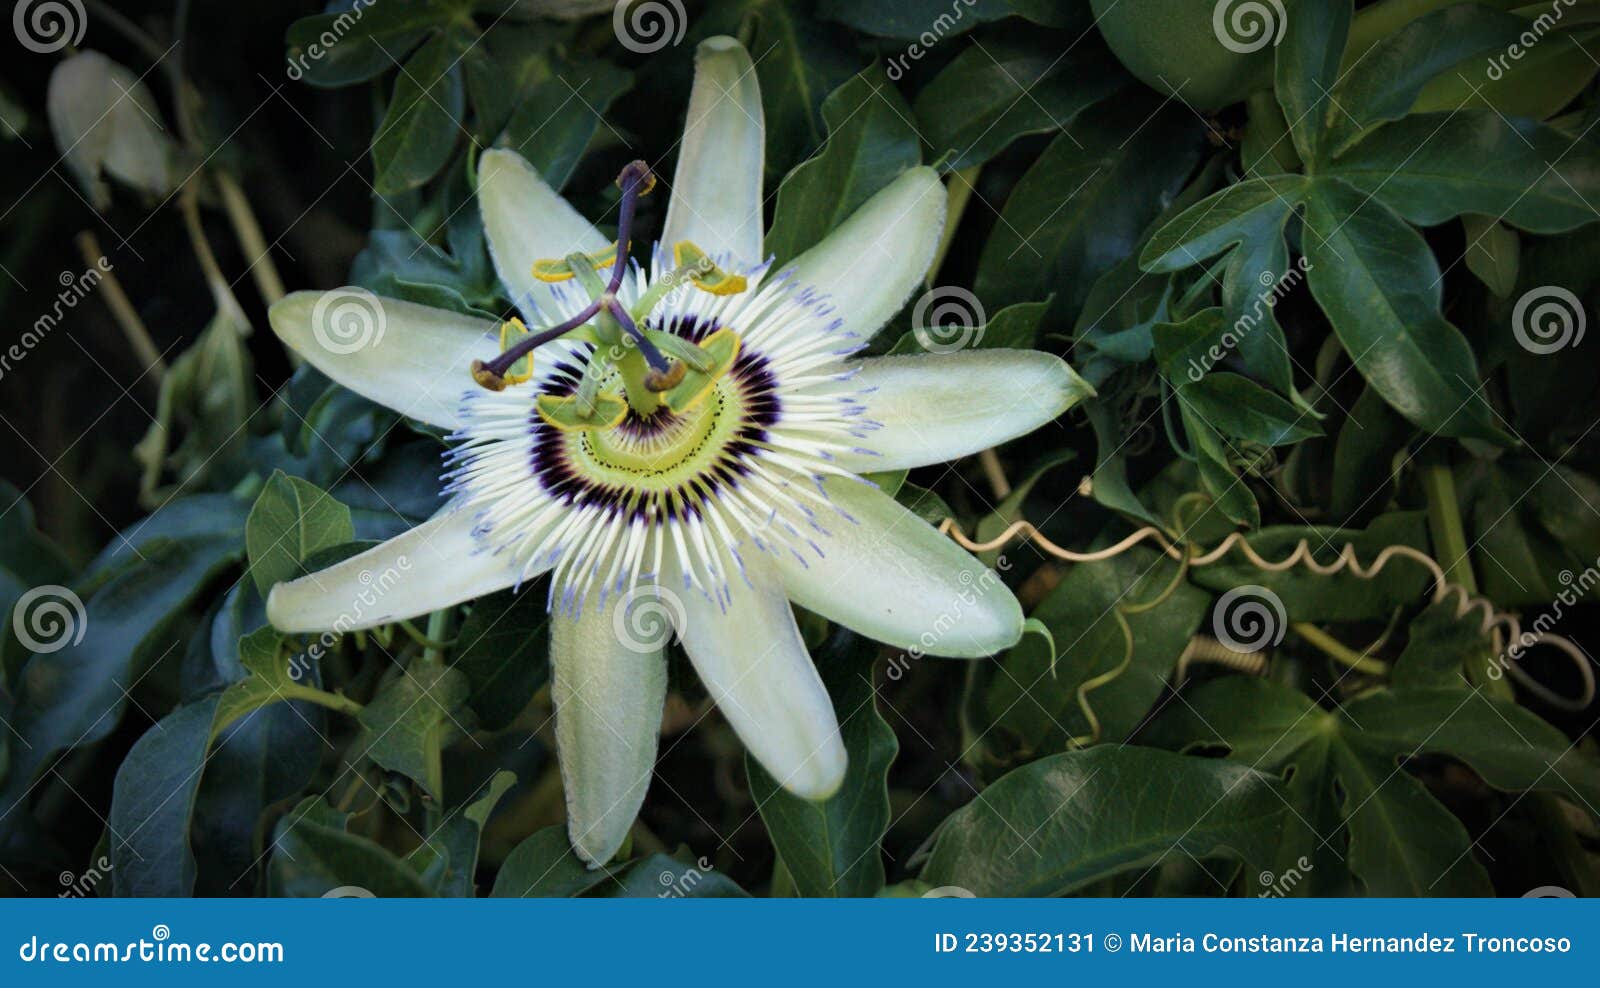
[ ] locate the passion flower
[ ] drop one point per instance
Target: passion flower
(688, 431)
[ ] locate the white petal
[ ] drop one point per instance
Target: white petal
(412, 358)
(937, 407)
(435, 565)
(891, 576)
(872, 262)
(608, 690)
(716, 191)
(526, 221)
(753, 662)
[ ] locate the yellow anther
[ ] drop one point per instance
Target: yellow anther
(722, 349)
(513, 332)
(553, 270)
(568, 414)
(703, 272)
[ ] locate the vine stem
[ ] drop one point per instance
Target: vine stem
(1450, 540)
(248, 232)
(958, 194)
(122, 310)
(1338, 651)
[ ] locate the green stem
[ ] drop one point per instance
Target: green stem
(433, 655)
(1450, 549)
(783, 886)
(1338, 651)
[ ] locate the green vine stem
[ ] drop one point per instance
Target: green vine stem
(1338, 651)
(1450, 548)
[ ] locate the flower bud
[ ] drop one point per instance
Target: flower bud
(106, 123)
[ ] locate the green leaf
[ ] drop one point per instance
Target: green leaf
(831, 847)
(559, 116)
(413, 716)
(1084, 204)
(1493, 252)
(1246, 211)
(314, 856)
(1014, 81)
(912, 18)
(1308, 596)
(152, 801)
(206, 400)
(1307, 69)
(1035, 699)
(291, 519)
(1509, 746)
(543, 866)
(503, 653)
(1401, 840)
(1364, 470)
(870, 141)
(1431, 167)
(419, 131)
(1391, 74)
(1243, 409)
(74, 696)
(449, 858)
(1379, 285)
(273, 677)
(1066, 820)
